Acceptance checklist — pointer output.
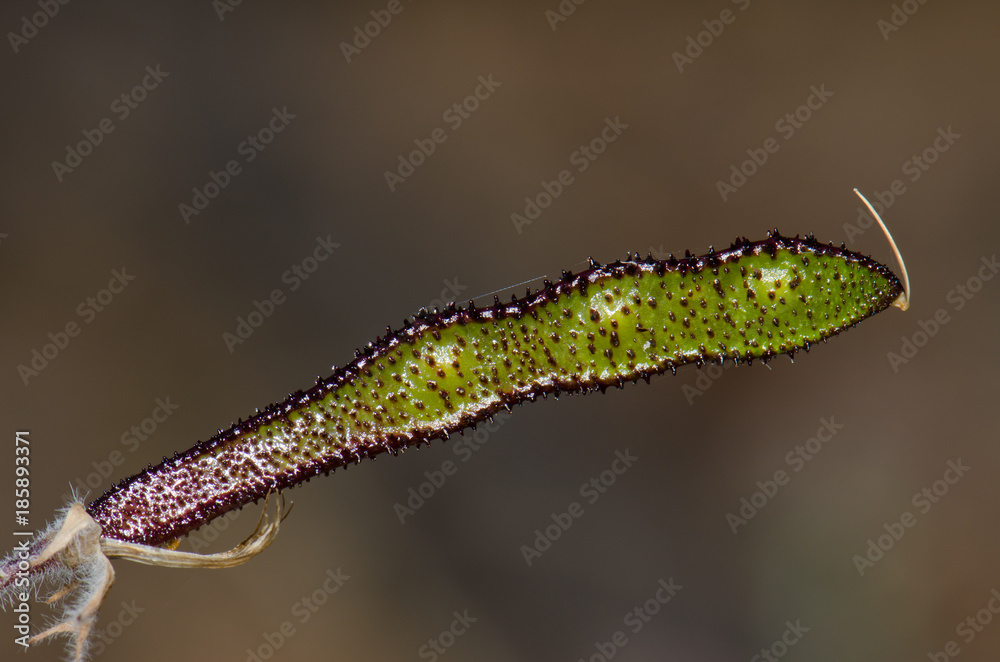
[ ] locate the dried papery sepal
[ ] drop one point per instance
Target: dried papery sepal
(72, 559)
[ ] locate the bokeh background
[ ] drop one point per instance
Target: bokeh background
(702, 439)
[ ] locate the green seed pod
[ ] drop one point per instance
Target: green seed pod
(609, 325)
(449, 370)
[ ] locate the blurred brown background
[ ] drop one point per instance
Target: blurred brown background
(448, 227)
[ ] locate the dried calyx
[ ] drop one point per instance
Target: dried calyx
(71, 561)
